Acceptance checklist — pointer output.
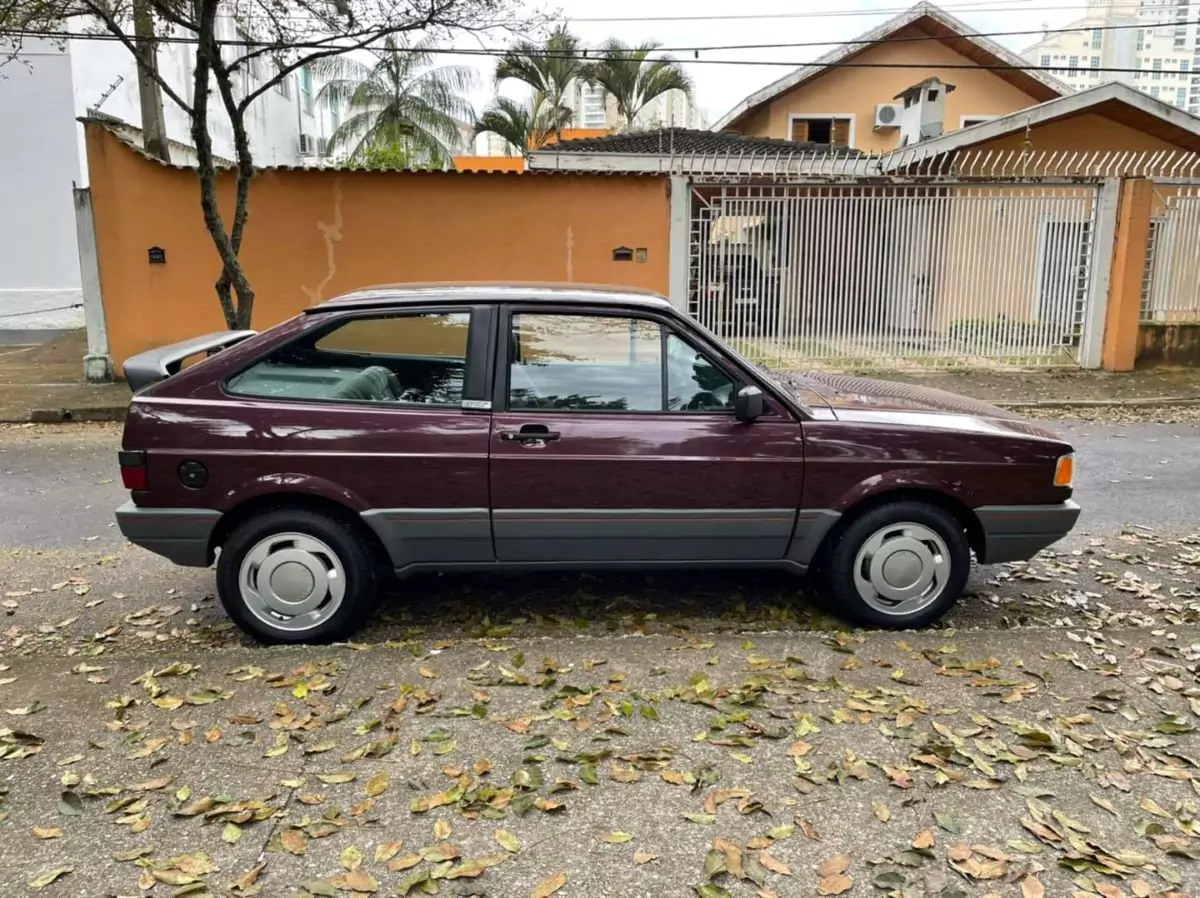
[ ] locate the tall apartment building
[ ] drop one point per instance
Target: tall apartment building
(1157, 40)
(594, 108)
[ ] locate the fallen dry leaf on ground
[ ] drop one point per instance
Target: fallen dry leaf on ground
(549, 885)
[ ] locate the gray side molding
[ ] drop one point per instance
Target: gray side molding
(811, 529)
(150, 367)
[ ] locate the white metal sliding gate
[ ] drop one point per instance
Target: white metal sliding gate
(928, 275)
(1171, 289)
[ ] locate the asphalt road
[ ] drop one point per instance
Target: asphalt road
(58, 486)
(607, 737)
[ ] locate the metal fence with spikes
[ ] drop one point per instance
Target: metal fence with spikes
(915, 164)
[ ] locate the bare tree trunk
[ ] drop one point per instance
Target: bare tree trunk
(205, 166)
(154, 129)
(235, 278)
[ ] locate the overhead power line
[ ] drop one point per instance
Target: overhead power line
(985, 6)
(593, 55)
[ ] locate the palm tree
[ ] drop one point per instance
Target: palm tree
(399, 101)
(633, 80)
(549, 69)
(523, 126)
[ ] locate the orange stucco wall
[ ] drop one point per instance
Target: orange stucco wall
(315, 234)
(489, 163)
(858, 91)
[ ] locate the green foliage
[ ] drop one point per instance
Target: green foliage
(524, 127)
(548, 68)
(383, 157)
(399, 103)
(634, 80)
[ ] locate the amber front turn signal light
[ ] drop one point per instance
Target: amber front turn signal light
(1064, 471)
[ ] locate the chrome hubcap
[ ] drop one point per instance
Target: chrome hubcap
(292, 581)
(901, 568)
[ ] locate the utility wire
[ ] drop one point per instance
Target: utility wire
(76, 305)
(589, 56)
(986, 6)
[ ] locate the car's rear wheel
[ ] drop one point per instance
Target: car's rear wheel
(897, 566)
(296, 575)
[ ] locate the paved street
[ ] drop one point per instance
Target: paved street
(708, 735)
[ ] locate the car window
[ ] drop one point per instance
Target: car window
(585, 362)
(412, 358)
(694, 383)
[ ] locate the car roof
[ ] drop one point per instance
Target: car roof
(460, 292)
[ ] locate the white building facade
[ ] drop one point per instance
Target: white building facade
(1158, 40)
(42, 94)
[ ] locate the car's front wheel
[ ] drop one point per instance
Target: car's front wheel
(897, 566)
(296, 575)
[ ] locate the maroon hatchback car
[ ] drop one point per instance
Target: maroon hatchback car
(442, 427)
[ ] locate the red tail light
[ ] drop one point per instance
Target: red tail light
(133, 470)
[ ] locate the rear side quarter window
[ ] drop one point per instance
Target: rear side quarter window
(402, 358)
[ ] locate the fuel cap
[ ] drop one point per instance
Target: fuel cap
(193, 475)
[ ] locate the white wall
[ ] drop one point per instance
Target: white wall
(273, 121)
(39, 163)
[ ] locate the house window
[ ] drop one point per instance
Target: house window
(1095, 62)
(1154, 91)
(969, 120)
(1073, 62)
(283, 86)
(1181, 97)
(1045, 60)
(1141, 39)
(1097, 38)
(834, 131)
(1157, 64)
(306, 92)
(335, 114)
(1185, 65)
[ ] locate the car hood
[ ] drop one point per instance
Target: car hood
(867, 400)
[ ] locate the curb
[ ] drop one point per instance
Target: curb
(1149, 402)
(68, 415)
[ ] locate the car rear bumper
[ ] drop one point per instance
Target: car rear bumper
(1018, 532)
(180, 534)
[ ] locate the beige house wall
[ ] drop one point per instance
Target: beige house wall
(857, 91)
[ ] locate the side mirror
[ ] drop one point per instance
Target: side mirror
(748, 404)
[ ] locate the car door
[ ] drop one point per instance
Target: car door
(614, 441)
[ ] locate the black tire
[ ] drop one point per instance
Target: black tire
(834, 572)
(346, 541)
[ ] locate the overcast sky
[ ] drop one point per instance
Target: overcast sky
(720, 87)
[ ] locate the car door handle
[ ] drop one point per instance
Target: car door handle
(530, 433)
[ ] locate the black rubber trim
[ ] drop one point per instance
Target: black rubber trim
(477, 377)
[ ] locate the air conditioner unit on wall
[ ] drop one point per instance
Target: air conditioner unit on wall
(887, 115)
(308, 144)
